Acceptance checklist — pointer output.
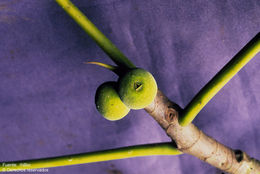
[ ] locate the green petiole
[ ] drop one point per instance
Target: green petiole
(107, 66)
(108, 47)
(219, 80)
(91, 157)
(115, 69)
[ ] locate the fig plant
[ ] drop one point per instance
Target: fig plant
(108, 102)
(137, 89)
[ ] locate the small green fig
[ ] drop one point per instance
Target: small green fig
(108, 102)
(137, 88)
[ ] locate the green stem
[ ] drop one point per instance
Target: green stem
(116, 69)
(108, 47)
(106, 155)
(219, 80)
(104, 65)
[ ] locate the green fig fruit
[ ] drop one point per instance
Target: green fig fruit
(108, 102)
(137, 88)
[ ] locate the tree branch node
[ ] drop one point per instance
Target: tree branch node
(186, 149)
(170, 115)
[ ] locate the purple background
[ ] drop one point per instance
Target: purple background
(47, 93)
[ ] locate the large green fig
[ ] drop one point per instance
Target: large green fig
(108, 102)
(137, 88)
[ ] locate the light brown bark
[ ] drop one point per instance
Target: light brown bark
(191, 140)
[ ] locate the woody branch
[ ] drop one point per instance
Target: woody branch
(189, 139)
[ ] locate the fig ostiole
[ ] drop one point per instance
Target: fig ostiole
(108, 102)
(137, 88)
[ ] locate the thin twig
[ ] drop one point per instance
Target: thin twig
(90, 157)
(220, 80)
(108, 47)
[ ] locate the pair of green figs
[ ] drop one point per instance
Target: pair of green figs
(136, 89)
